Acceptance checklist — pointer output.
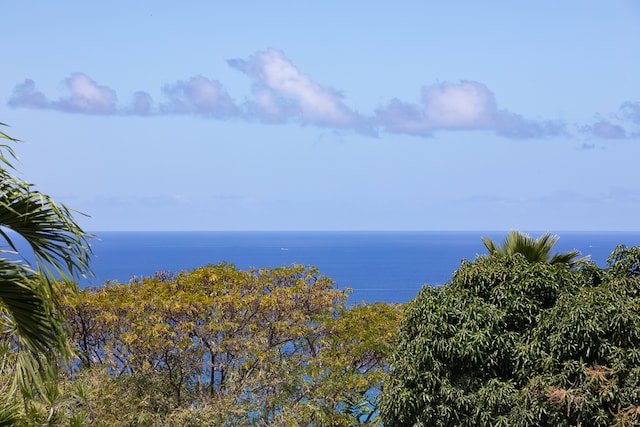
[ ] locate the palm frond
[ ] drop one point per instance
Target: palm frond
(49, 228)
(490, 245)
(30, 322)
(8, 149)
(9, 411)
(534, 250)
(572, 258)
(30, 312)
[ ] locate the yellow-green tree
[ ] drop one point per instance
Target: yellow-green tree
(222, 346)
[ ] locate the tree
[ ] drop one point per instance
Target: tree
(221, 346)
(32, 334)
(624, 262)
(538, 250)
(508, 342)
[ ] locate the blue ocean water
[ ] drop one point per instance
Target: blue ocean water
(377, 266)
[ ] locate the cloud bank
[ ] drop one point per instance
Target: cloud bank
(282, 93)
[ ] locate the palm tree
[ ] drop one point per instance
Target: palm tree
(538, 250)
(31, 325)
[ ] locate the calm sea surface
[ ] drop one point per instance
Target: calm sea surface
(378, 266)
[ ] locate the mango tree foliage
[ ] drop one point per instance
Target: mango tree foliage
(222, 346)
(515, 343)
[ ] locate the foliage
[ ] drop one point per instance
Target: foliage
(624, 262)
(538, 250)
(31, 328)
(514, 343)
(222, 346)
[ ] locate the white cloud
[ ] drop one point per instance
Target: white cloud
(87, 96)
(401, 117)
(467, 105)
(268, 104)
(282, 91)
(198, 95)
(142, 104)
(26, 95)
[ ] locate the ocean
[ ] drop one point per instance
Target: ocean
(377, 266)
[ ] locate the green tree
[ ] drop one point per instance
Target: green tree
(516, 343)
(31, 327)
(534, 250)
(624, 261)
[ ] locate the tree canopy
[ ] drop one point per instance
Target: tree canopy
(517, 343)
(273, 346)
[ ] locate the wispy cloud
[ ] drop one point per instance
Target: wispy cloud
(624, 124)
(282, 93)
(631, 112)
(605, 129)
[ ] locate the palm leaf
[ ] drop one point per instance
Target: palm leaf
(30, 313)
(31, 324)
(534, 250)
(49, 229)
(8, 413)
(4, 147)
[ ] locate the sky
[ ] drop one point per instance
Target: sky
(328, 115)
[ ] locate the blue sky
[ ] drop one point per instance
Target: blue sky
(329, 115)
